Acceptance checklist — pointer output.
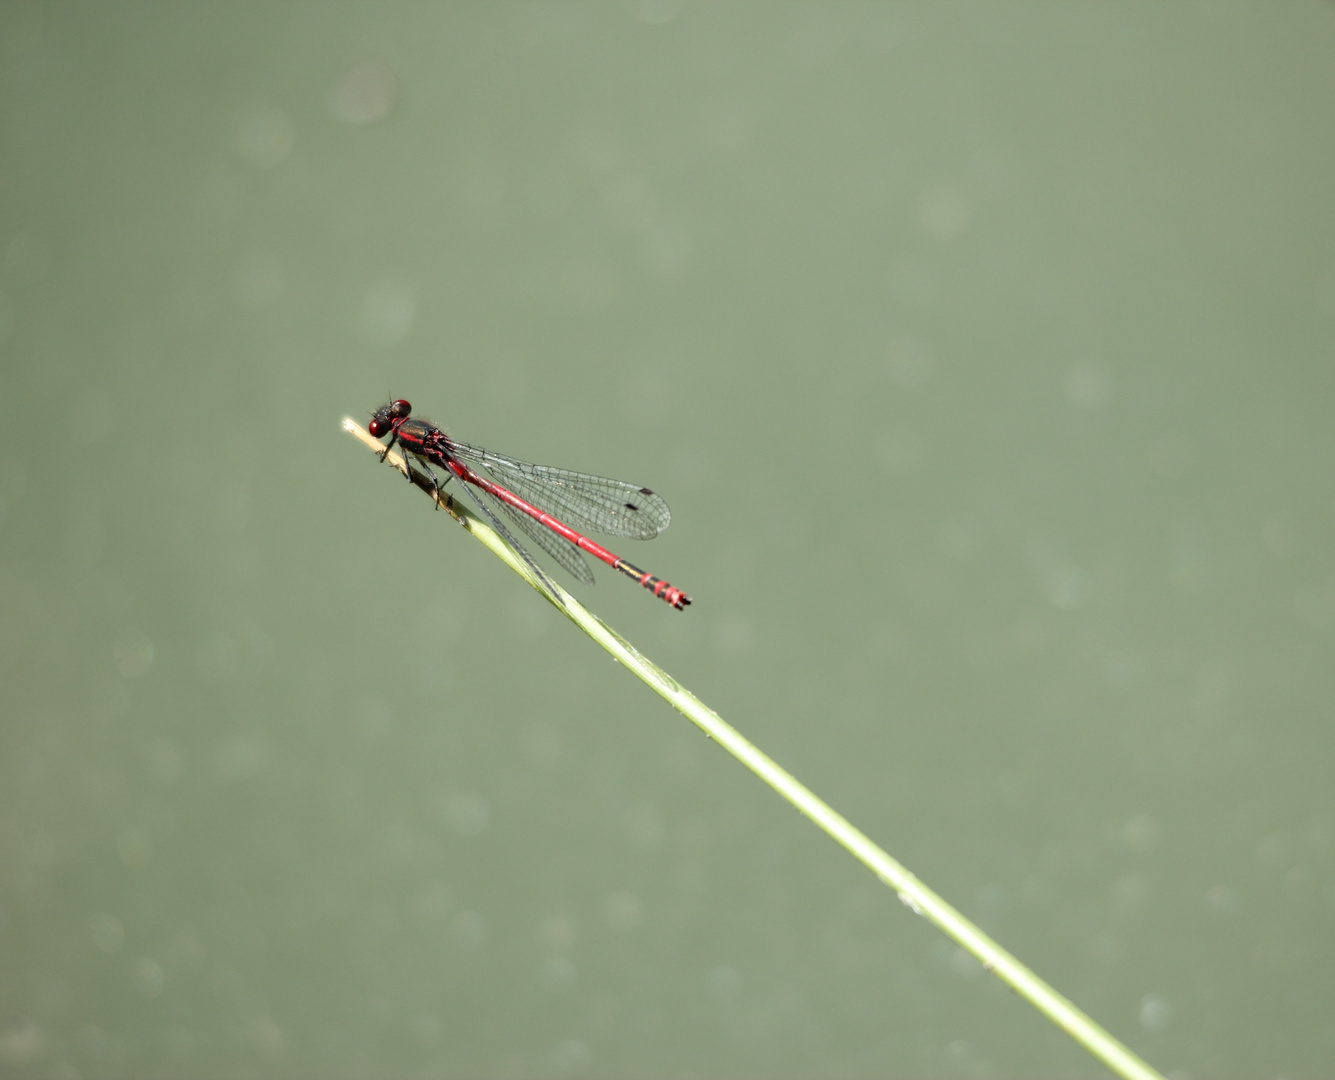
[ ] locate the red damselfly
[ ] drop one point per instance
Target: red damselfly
(533, 495)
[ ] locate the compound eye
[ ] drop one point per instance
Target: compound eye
(386, 418)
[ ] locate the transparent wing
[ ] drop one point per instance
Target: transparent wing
(583, 501)
(569, 558)
(558, 547)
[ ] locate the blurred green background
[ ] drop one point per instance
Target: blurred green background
(984, 353)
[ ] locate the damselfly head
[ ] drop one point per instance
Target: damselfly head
(386, 418)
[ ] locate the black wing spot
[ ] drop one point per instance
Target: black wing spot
(632, 506)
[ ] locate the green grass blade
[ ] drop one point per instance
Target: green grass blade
(912, 893)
